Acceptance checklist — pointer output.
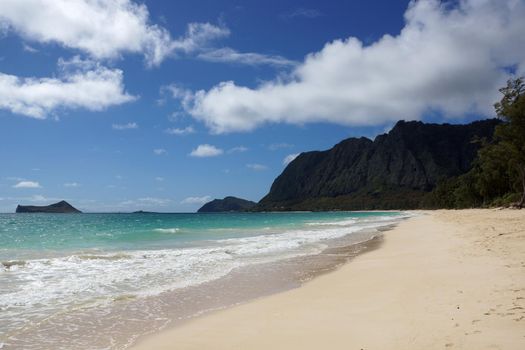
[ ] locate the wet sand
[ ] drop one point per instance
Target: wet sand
(441, 280)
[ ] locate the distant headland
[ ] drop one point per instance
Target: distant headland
(56, 208)
(227, 204)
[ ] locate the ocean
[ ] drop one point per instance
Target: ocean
(100, 281)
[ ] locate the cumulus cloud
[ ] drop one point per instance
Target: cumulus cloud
(180, 131)
(449, 59)
(206, 151)
(27, 184)
(104, 29)
(256, 167)
(71, 184)
(80, 84)
(160, 151)
(289, 158)
(126, 126)
(109, 29)
(196, 200)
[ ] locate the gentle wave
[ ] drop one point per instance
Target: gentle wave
(82, 277)
(40, 287)
(333, 223)
(167, 230)
(109, 257)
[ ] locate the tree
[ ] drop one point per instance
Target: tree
(510, 136)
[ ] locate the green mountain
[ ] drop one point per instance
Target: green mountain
(397, 170)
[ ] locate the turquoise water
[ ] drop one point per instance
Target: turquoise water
(37, 235)
(53, 265)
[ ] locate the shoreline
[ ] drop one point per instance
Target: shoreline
(461, 284)
(127, 317)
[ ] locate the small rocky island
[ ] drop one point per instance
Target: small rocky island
(227, 204)
(57, 208)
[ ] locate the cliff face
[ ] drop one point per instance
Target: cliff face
(227, 204)
(396, 170)
(60, 207)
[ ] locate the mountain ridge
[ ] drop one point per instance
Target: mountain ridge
(396, 170)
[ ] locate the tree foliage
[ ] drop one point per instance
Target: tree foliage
(498, 174)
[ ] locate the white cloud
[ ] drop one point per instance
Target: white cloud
(229, 55)
(206, 151)
(80, 84)
(196, 200)
(448, 58)
(289, 158)
(256, 167)
(198, 36)
(180, 131)
(104, 29)
(27, 184)
(160, 151)
(71, 184)
(159, 179)
(238, 149)
(127, 126)
(198, 42)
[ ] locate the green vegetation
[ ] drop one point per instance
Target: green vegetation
(497, 177)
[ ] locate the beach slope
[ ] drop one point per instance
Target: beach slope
(441, 280)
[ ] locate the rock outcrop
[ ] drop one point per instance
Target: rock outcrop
(60, 207)
(395, 171)
(227, 204)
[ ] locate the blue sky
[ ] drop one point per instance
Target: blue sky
(162, 105)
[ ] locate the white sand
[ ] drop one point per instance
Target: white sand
(443, 280)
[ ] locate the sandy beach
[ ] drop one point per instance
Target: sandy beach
(443, 279)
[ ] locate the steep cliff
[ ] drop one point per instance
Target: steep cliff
(395, 171)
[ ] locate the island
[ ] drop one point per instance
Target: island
(227, 204)
(61, 207)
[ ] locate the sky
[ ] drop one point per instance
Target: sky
(120, 105)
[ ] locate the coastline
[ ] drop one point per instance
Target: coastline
(443, 279)
(240, 270)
